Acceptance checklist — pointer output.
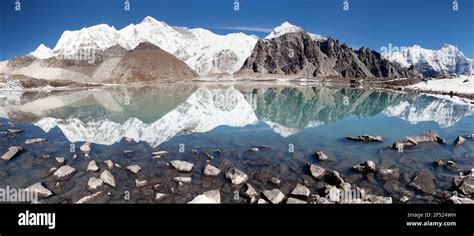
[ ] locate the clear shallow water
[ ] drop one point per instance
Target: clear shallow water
(294, 121)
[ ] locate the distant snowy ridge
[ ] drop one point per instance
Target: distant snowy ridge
(202, 50)
(446, 61)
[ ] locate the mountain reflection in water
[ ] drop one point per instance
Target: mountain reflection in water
(156, 114)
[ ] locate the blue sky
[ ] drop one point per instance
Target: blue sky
(370, 23)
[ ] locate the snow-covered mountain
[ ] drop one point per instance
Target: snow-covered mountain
(446, 61)
(202, 50)
(287, 27)
(42, 52)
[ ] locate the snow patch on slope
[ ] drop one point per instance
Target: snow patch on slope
(461, 84)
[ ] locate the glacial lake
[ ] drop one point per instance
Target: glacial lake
(194, 121)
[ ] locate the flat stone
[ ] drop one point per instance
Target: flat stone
(211, 170)
(317, 171)
(236, 176)
(262, 201)
(134, 168)
(301, 190)
(39, 189)
(275, 181)
(408, 142)
(182, 179)
(34, 140)
(159, 153)
(293, 200)
(90, 198)
(159, 196)
(92, 166)
(64, 172)
(108, 178)
(275, 196)
(182, 166)
(12, 151)
(94, 184)
(141, 183)
(14, 131)
(366, 138)
(209, 197)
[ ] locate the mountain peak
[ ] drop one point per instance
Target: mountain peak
(149, 19)
(284, 28)
(42, 52)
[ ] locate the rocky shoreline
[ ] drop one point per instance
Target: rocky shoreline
(201, 176)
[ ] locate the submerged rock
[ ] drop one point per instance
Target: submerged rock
(423, 181)
(334, 177)
(134, 168)
(92, 166)
(317, 171)
(34, 140)
(467, 185)
(301, 190)
(209, 197)
(459, 141)
(211, 170)
(108, 178)
(388, 174)
(64, 172)
(367, 166)
(182, 166)
(275, 196)
(322, 156)
(438, 162)
(275, 181)
(366, 138)
(236, 176)
(39, 189)
(12, 151)
(408, 142)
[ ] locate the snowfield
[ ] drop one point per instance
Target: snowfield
(462, 84)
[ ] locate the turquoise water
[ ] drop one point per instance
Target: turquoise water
(294, 121)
